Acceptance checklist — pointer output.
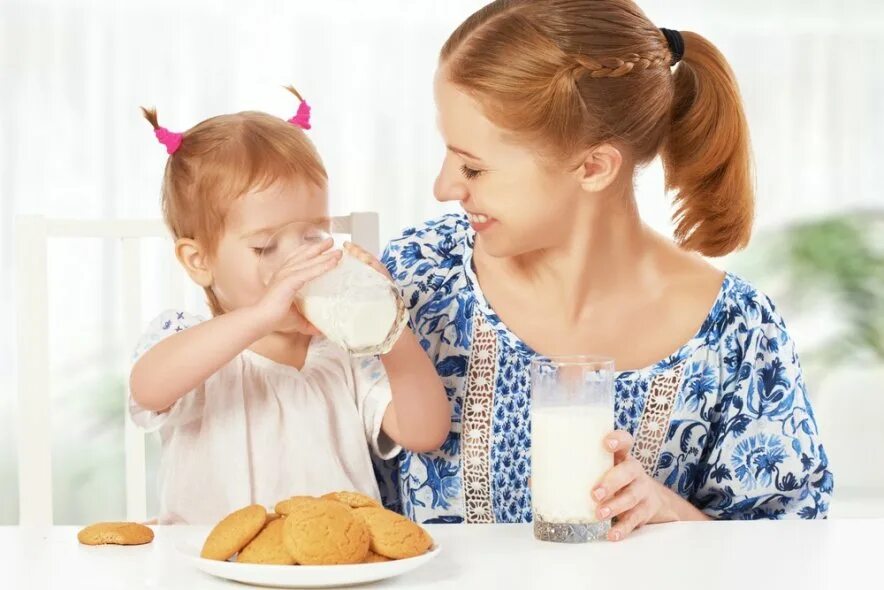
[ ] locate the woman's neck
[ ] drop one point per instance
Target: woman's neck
(606, 249)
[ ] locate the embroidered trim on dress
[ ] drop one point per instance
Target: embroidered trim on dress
(655, 418)
(478, 402)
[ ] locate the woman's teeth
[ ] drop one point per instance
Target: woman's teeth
(475, 218)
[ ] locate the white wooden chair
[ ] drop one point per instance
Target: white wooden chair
(31, 281)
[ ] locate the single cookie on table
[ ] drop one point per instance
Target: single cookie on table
(115, 533)
(393, 535)
(267, 547)
(375, 558)
(234, 532)
(353, 499)
(284, 507)
(325, 532)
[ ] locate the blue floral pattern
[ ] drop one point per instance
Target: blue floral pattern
(741, 442)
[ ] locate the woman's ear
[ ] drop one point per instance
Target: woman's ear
(600, 168)
(194, 258)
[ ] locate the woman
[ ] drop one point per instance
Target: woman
(547, 109)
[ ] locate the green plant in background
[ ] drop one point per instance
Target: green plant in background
(834, 264)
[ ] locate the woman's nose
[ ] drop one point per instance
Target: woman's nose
(446, 189)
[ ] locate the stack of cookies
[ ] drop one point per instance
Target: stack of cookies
(338, 528)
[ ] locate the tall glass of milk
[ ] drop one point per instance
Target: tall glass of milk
(353, 305)
(572, 409)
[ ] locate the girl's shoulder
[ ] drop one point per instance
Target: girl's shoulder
(167, 323)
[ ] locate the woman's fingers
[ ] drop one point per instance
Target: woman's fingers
(626, 499)
(620, 443)
(628, 522)
(616, 478)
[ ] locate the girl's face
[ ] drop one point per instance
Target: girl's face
(515, 203)
(251, 230)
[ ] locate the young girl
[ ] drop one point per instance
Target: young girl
(547, 109)
(253, 405)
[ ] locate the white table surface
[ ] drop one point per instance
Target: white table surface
(788, 555)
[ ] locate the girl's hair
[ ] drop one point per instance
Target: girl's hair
(221, 159)
(570, 74)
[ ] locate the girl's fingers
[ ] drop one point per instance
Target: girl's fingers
(620, 443)
(616, 478)
(627, 523)
(627, 499)
(362, 255)
(296, 266)
(314, 269)
(307, 251)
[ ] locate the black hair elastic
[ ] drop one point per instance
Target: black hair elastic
(676, 45)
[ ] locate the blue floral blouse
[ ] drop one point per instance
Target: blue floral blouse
(725, 421)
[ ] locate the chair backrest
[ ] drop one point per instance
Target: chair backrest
(34, 412)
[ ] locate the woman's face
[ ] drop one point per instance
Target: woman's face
(515, 203)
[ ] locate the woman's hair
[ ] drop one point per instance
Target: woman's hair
(221, 159)
(571, 74)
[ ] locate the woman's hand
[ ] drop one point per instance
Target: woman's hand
(633, 497)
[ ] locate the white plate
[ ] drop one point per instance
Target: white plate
(300, 576)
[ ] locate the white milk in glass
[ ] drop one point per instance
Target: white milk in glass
(572, 410)
(567, 460)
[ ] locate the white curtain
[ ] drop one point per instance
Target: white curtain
(73, 143)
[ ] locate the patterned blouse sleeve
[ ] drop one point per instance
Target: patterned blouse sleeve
(182, 411)
(765, 458)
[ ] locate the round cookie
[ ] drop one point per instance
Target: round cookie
(115, 533)
(393, 535)
(234, 532)
(353, 499)
(267, 547)
(324, 532)
(284, 507)
(375, 558)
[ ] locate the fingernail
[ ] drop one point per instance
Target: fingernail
(612, 443)
(615, 535)
(605, 512)
(599, 493)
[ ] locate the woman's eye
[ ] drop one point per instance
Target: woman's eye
(470, 173)
(313, 237)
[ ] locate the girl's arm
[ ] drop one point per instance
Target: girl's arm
(419, 417)
(180, 363)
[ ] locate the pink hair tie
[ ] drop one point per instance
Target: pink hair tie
(170, 139)
(302, 118)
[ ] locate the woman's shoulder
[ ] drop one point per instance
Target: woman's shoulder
(439, 243)
(743, 313)
(429, 259)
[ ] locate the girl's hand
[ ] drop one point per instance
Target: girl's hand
(364, 256)
(306, 263)
(632, 496)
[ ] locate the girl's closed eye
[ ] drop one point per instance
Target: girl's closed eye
(268, 249)
(470, 173)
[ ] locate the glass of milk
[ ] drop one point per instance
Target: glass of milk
(572, 409)
(353, 305)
